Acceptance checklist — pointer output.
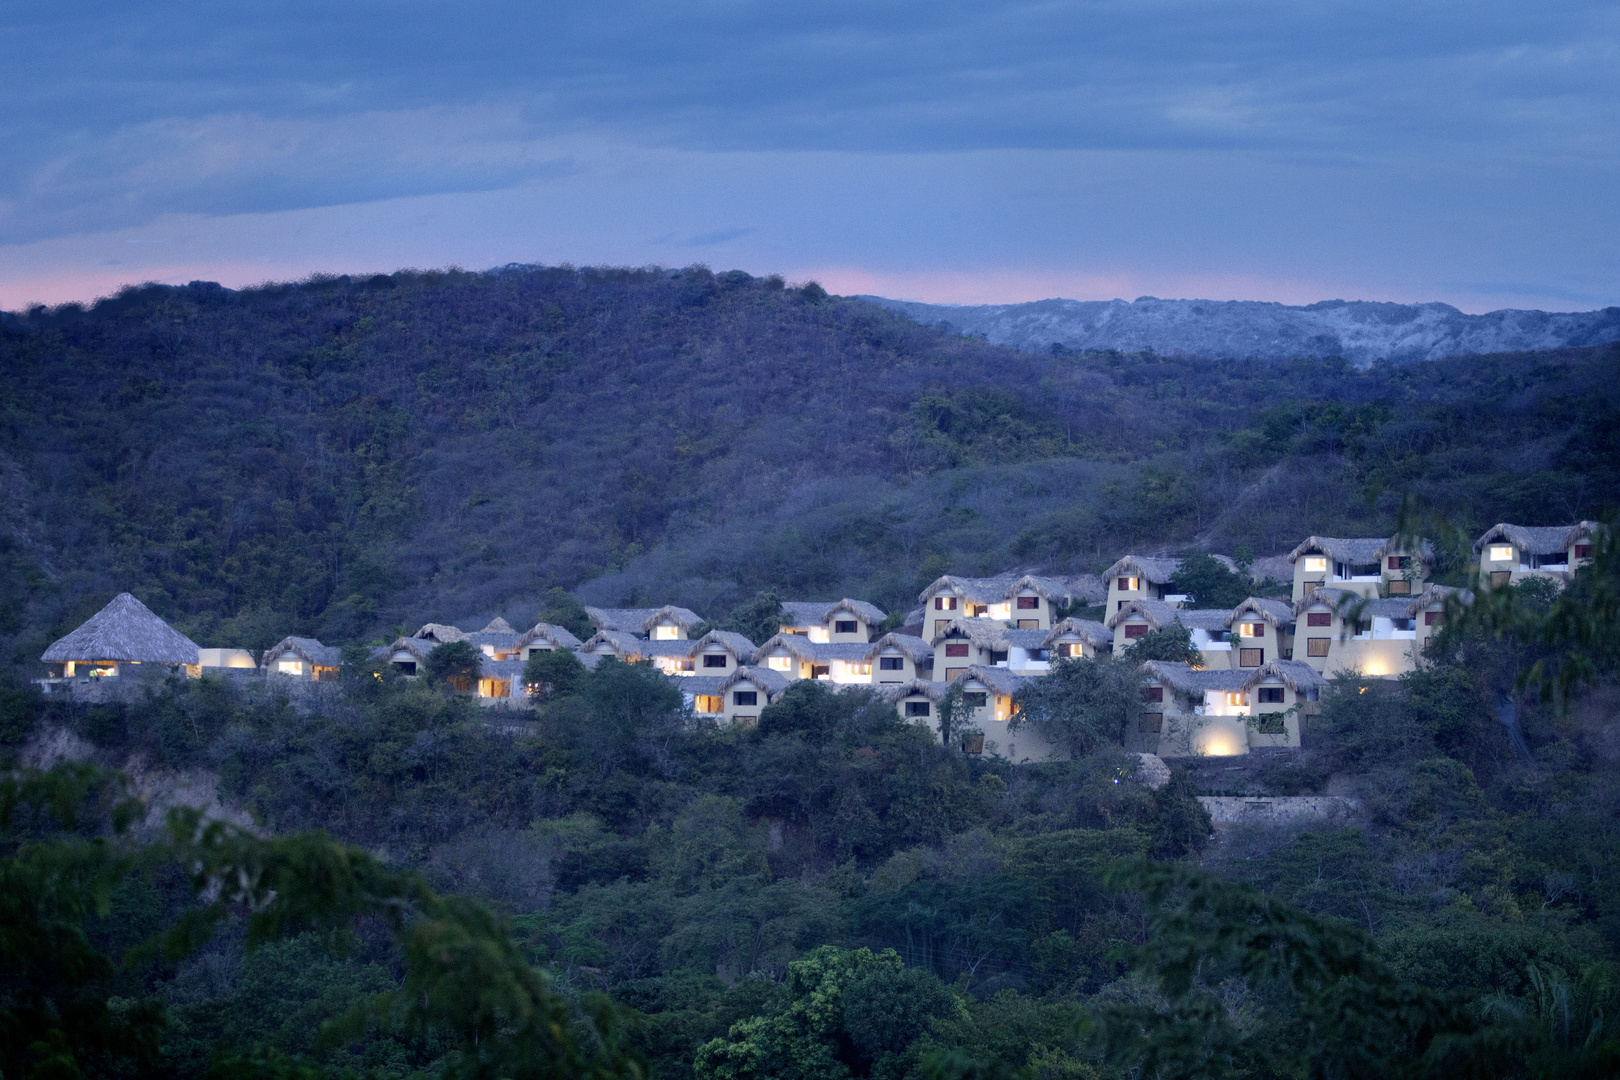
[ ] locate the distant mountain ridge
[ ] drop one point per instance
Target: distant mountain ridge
(1362, 332)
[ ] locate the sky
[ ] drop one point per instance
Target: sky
(986, 152)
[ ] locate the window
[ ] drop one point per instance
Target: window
(290, 667)
(1029, 603)
(1153, 693)
(1251, 657)
(1135, 630)
(1399, 562)
(1129, 584)
(1401, 624)
(820, 671)
(1315, 564)
(1272, 723)
(944, 603)
(708, 703)
(998, 657)
(975, 699)
(1400, 588)
(1252, 629)
(956, 648)
(973, 744)
(1500, 578)
(1319, 618)
(954, 673)
(1500, 553)
(1152, 722)
(665, 632)
(1236, 698)
(714, 660)
(1067, 649)
(745, 697)
(1317, 646)
(977, 611)
(917, 708)
(844, 626)
(779, 662)
(1040, 654)
(1555, 558)
(685, 665)
(1433, 618)
(1271, 695)
(891, 663)
(1583, 551)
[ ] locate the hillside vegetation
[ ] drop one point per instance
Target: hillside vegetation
(339, 457)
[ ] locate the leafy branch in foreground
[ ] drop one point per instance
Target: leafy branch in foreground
(1335, 1009)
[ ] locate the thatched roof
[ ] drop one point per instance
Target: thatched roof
(1538, 539)
(1158, 569)
(735, 644)
(1363, 551)
(685, 618)
(1437, 594)
(307, 649)
(1188, 680)
(822, 612)
(1000, 680)
(1050, 589)
(621, 643)
(985, 633)
(1326, 597)
(628, 620)
(1297, 675)
(127, 631)
(559, 636)
(1028, 640)
(1093, 633)
(916, 648)
(443, 633)
(896, 692)
(418, 648)
(1160, 614)
(1278, 613)
(693, 685)
(772, 682)
(990, 590)
(812, 652)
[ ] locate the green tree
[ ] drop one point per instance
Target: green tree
(456, 664)
(553, 672)
(1172, 643)
(841, 1013)
(759, 619)
(1209, 583)
(564, 609)
(1082, 704)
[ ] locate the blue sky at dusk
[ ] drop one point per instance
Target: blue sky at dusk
(985, 152)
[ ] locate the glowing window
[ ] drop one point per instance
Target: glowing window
(1315, 564)
(1236, 698)
(1500, 553)
(1254, 629)
(290, 667)
(1129, 584)
(779, 663)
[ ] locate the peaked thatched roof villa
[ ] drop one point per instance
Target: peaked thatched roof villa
(124, 632)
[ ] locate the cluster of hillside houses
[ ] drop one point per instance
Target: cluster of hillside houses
(1357, 604)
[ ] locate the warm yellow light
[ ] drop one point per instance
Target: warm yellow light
(779, 663)
(1315, 564)
(665, 633)
(1501, 553)
(1221, 746)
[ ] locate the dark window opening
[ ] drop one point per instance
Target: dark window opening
(1152, 722)
(917, 708)
(745, 697)
(714, 659)
(1135, 630)
(891, 663)
(1319, 618)
(975, 699)
(1029, 603)
(1271, 695)
(998, 657)
(844, 626)
(1153, 693)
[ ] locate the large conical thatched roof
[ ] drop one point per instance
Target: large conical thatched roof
(125, 630)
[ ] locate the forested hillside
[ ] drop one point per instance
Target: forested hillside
(339, 457)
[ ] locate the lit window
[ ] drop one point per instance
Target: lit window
(1236, 698)
(1315, 564)
(1501, 553)
(708, 703)
(664, 632)
(1129, 584)
(1254, 629)
(779, 663)
(289, 667)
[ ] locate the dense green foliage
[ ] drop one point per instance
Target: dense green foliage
(837, 893)
(345, 457)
